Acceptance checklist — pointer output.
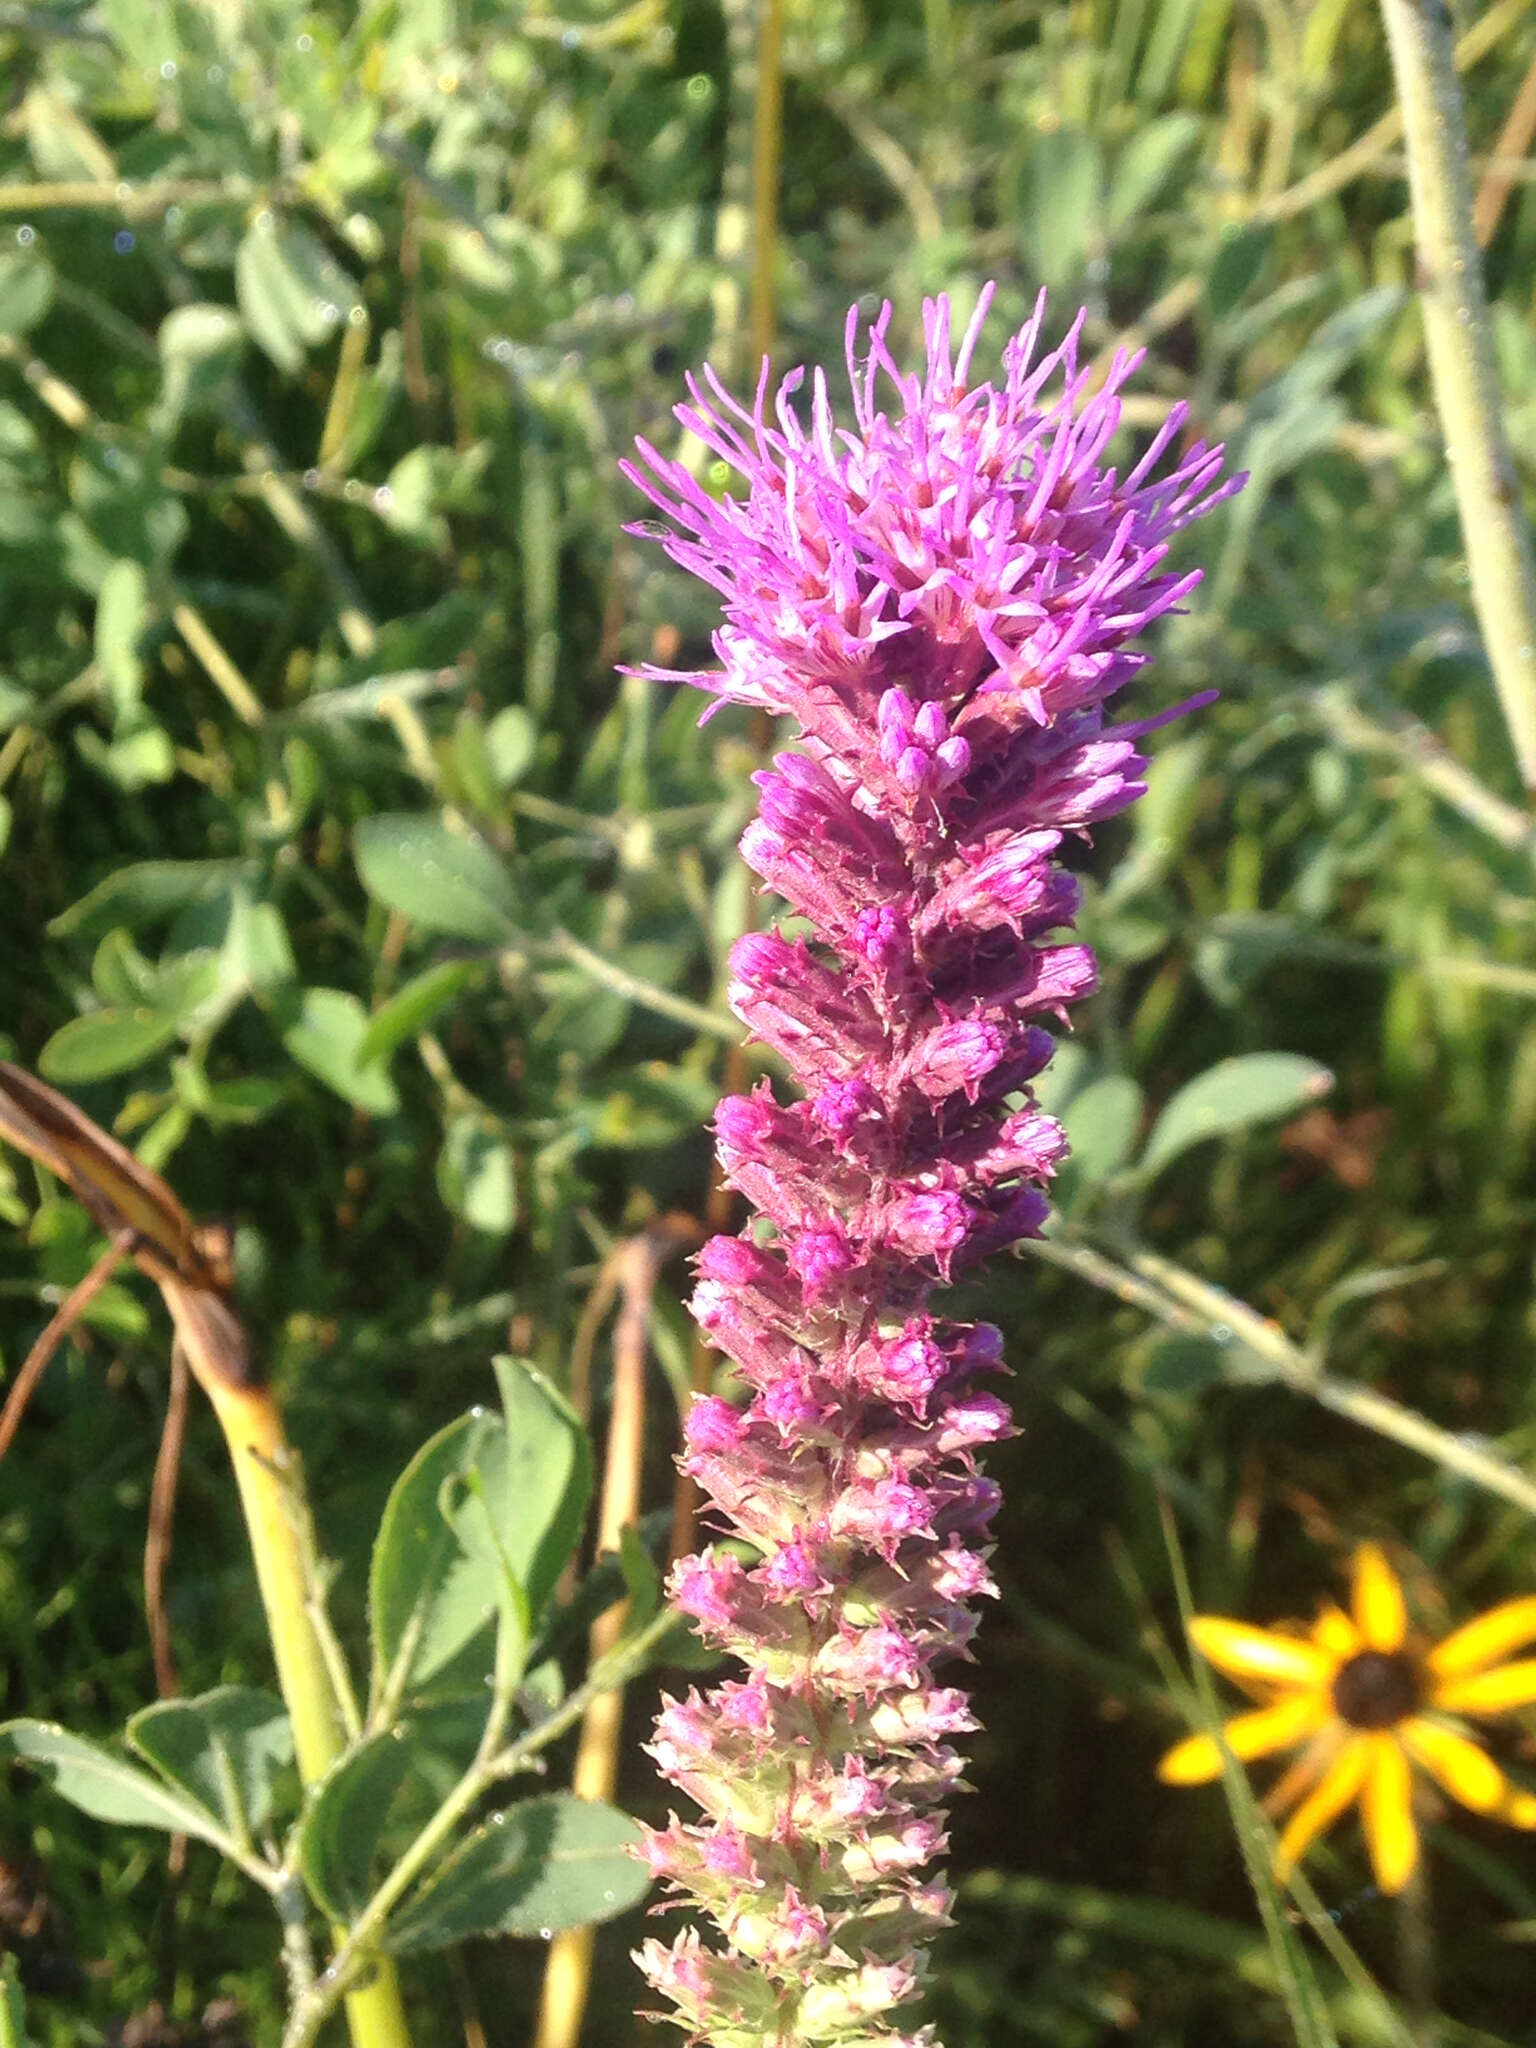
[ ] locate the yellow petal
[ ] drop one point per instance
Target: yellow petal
(1244, 1652)
(1380, 1615)
(1334, 1632)
(1489, 1692)
(1197, 1759)
(1194, 1761)
(1484, 1641)
(1518, 1811)
(1386, 1807)
(1341, 1783)
(1465, 1771)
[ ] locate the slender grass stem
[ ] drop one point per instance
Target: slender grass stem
(1186, 1303)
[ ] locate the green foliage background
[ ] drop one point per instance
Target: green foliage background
(345, 879)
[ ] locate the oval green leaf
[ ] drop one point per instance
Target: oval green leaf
(1102, 1123)
(1255, 1088)
(426, 1597)
(535, 1870)
(144, 893)
(225, 1749)
(326, 1038)
(105, 1042)
(442, 880)
(105, 1785)
(344, 1821)
(547, 1481)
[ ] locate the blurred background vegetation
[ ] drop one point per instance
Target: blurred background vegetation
(344, 878)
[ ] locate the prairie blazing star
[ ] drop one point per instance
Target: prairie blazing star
(1371, 1706)
(942, 598)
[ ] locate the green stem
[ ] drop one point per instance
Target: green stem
(1394, 736)
(1416, 1957)
(1459, 345)
(767, 140)
(714, 1023)
(360, 1948)
(1184, 1302)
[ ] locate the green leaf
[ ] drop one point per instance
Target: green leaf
(121, 603)
(1059, 198)
(412, 1008)
(1256, 1087)
(642, 1581)
(104, 1785)
(145, 893)
(443, 880)
(1239, 259)
(535, 1870)
(26, 292)
(345, 1819)
(548, 1478)
(1146, 163)
(476, 1175)
(1179, 1366)
(105, 1042)
(426, 1597)
(1102, 1123)
(326, 1037)
(511, 742)
(200, 350)
(290, 290)
(225, 1749)
(13, 2011)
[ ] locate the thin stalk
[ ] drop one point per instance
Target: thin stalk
(271, 1497)
(116, 195)
(1459, 345)
(1506, 161)
(1416, 1957)
(216, 662)
(1184, 1302)
(767, 148)
(568, 1973)
(733, 215)
(714, 1023)
(1394, 736)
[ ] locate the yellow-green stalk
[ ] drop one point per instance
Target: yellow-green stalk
(271, 1498)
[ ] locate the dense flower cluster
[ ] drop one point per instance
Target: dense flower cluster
(941, 598)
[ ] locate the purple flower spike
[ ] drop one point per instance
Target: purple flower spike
(942, 598)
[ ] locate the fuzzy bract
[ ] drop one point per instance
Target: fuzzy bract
(943, 597)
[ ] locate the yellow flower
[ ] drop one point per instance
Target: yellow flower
(1370, 1707)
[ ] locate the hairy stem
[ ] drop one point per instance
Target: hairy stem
(1462, 372)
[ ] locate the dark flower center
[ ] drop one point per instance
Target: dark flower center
(1377, 1689)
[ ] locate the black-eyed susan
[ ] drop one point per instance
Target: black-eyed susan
(1371, 1704)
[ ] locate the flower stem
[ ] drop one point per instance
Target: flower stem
(1416, 1957)
(568, 1974)
(276, 1519)
(1461, 364)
